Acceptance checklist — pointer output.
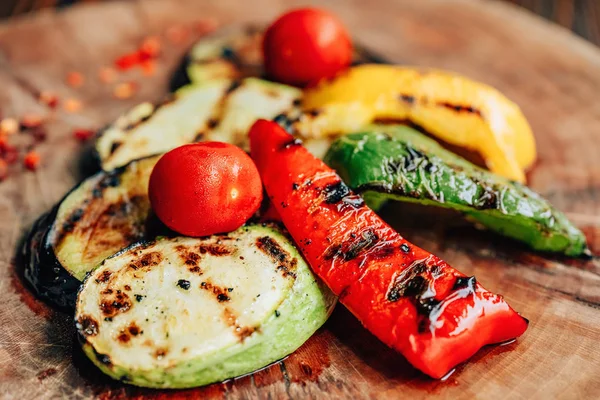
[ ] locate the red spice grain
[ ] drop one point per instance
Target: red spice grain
(31, 121)
(125, 90)
(83, 134)
(107, 75)
(73, 105)
(75, 79)
(31, 160)
(49, 99)
(177, 34)
(39, 134)
(3, 170)
(151, 47)
(9, 126)
(148, 68)
(204, 26)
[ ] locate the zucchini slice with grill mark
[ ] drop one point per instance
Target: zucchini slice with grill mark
(105, 213)
(185, 312)
(234, 53)
(220, 110)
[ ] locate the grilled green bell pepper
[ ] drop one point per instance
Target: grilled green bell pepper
(397, 162)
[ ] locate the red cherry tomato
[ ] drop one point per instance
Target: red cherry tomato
(306, 45)
(205, 188)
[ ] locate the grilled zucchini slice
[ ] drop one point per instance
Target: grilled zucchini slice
(183, 312)
(234, 53)
(105, 213)
(220, 110)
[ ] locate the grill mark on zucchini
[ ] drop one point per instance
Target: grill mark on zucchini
(271, 248)
(114, 303)
(87, 326)
(219, 291)
(147, 261)
(190, 259)
(221, 106)
(216, 250)
(126, 334)
(242, 332)
(86, 222)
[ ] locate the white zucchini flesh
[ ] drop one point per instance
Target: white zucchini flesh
(220, 110)
(185, 312)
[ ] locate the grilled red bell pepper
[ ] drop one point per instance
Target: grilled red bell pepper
(410, 299)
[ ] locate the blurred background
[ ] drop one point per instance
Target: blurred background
(579, 16)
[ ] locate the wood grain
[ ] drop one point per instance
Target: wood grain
(554, 76)
(579, 16)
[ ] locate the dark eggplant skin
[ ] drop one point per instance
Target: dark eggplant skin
(42, 270)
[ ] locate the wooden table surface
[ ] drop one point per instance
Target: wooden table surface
(552, 74)
(580, 16)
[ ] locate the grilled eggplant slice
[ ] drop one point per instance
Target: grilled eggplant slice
(235, 53)
(218, 110)
(105, 213)
(185, 312)
(401, 163)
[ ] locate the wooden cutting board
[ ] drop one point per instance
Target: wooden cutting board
(553, 75)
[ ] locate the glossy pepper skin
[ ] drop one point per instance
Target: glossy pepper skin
(397, 162)
(410, 299)
(450, 107)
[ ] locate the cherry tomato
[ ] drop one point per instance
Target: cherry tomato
(205, 188)
(306, 45)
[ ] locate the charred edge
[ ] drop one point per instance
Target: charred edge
(217, 250)
(285, 122)
(111, 305)
(212, 123)
(148, 260)
(199, 136)
(335, 192)
(407, 98)
(460, 108)
(103, 277)
(114, 147)
(87, 326)
(127, 287)
(287, 264)
(464, 282)
(347, 252)
(139, 297)
(102, 358)
(219, 292)
(315, 112)
(295, 186)
(488, 199)
(234, 86)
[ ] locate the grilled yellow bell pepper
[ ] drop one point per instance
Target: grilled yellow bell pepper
(450, 107)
